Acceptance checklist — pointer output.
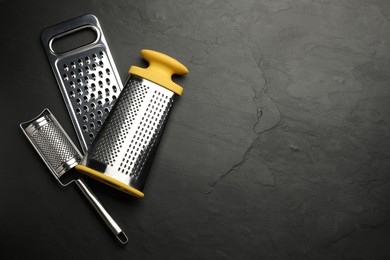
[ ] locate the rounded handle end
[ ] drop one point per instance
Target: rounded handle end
(163, 63)
(122, 238)
(160, 70)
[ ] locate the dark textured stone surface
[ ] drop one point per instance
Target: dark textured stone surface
(278, 149)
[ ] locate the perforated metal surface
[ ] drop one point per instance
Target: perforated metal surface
(132, 130)
(91, 87)
(87, 77)
(51, 142)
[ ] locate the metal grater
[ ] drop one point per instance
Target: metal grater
(87, 76)
(52, 143)
(123, 151)
(60, 155)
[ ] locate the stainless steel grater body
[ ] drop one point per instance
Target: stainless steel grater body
(60, 155)
(123, 150)
(125, 146)
(52, 143)
(87, 76)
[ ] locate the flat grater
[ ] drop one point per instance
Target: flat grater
(60, 155)
(87, 75)
(122, 153)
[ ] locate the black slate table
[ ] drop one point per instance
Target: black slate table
(279, 147)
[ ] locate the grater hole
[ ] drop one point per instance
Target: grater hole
(93, 86)
(100, 83)
(85, 98)
(91, 135)
(79, 91)
(94, 56)
(100, 113)
(72, 94)
(92, 116)
(101, 64)
(78, 111)
(71, 83)
(87, 60)
(101, 74)
(100, 93)
(73, 65)
(65, 76)
(108, 81)
(78, 101)
(80, 62)
(87, 69)
(114, 97)
(93, 76)
(106, 110)
(66, 67)
(114, 88)
(108, 71)
(92, 125)
(72, 74)
(100, 103)
(99, 123)
(93, 97)
(85, 118)
(85, 108)
(101, 54)
(107, 100)
(93, 106)
(79, 82)
(94, 66)
(86, 78)
(86, 88)
(85, 128)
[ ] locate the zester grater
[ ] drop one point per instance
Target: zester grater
(123, 151)
(60, 155)
(87, 76)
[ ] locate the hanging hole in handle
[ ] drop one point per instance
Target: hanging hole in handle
(74, 39)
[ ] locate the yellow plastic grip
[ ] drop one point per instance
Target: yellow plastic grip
(160, 70)
(109, 181)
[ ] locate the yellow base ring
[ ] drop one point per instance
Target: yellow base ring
(109, 181)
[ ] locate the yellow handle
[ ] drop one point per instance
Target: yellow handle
(160, 70)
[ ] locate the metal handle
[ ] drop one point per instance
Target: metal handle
(67, 27)
(110, 222)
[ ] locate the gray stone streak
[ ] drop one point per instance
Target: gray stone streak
(344, 236)
(258, 116)
(354, 231)
(231, 170)
(256, 95)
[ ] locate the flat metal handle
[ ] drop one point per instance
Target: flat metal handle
(67, 27)
(110, 222)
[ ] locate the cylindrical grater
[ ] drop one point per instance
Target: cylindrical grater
(122, 152)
